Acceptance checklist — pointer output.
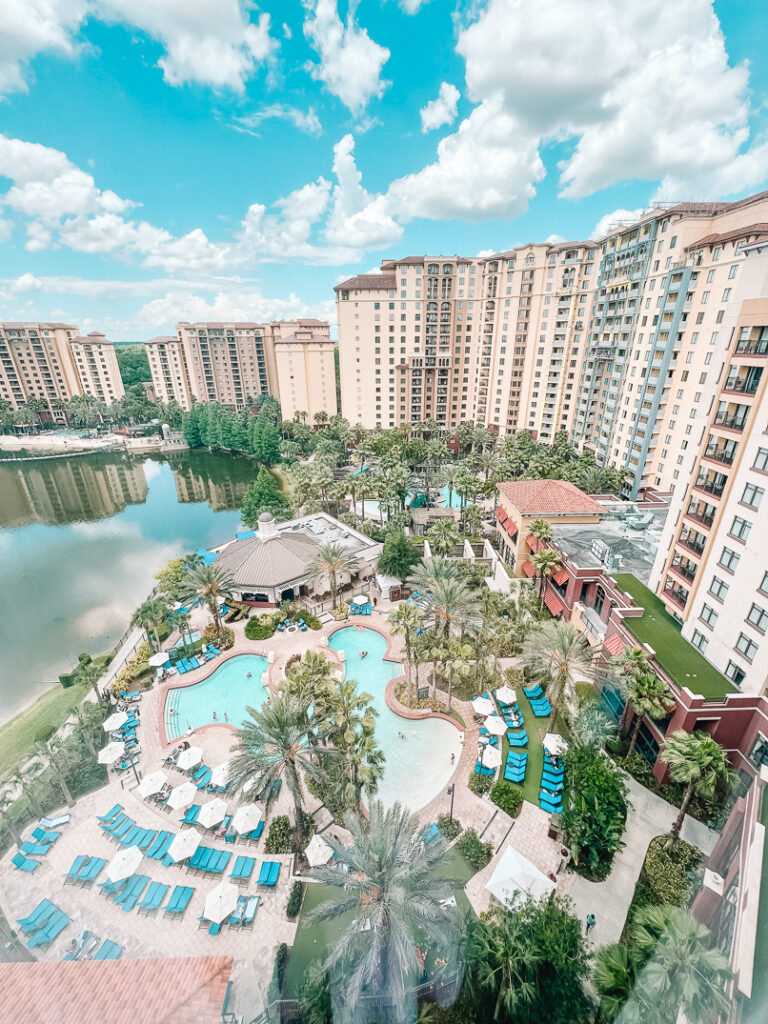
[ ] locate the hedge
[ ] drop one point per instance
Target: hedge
(480, 783)
(508, 797)
(280, 838)
(667, 865)
(294, 900)
(473, 849)
(259, 629)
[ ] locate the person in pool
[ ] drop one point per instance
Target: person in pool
(363, 654)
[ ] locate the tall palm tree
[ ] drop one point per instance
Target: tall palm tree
(546, 562)
(149, 615)
(431, 571)
(650, 697)
(331, 559)
(541, 530)
(348, 723)
(208, 583)
(503, 963)
(460, 663)
(553, 652)
(393, 894)
(697, 762)
(450, 604)
(271, 745)
(52, 754)
(406, 621)
(443, 536)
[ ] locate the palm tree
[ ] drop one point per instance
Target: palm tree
(443, 536)
(459, 663)
(51, 753)
(271, 745)
(471, 519)
(554, 651)
(331, 559)
(541, 531)
(449, 473)
(697, 762)
(488, 462)
(546, 562)
(393, 894)
(503, 962)
(650, 697)
(450, 603)
(149, 615)
(406, 621)
(208, 583)
(315, 1000)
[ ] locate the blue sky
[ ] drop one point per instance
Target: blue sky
(201, 159)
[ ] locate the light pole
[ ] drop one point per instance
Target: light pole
(451, 791)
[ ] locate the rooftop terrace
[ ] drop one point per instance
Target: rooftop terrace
(628, 538)
(656, 627)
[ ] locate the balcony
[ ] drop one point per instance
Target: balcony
(732, 418)
(677, 595)
(684, 569)
(746, 385)
(692, 541)
(711, 485)
(722, 455)
(752, 347)
(704, 515)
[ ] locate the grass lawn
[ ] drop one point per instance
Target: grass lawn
(49, 711)
(676, 656)
(314, 939)
(536, 728)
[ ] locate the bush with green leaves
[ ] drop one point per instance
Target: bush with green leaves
(223, 638)
(448, 826)
(480, 783)
(508, 797)
(280, 837)
(259, 628)
(474, 851)
(294, 900)
(669, 864)
(594, 810)
(311, 620)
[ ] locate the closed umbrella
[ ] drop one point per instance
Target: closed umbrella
(152, 784)
(182, 796)
(496, 726)
(483, 706)
(110, 753)
(189, 758)
(115, 721)
(219, 775)
(124, 863)
(212, 813)
(506, 694)
(246, 818)
(158, 659)
(491, 757)
(220, 902)
(318, 852)
(184, 844)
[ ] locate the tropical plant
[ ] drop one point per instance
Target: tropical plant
(448, 604)
(541, 531)
(394, 893)
(149, 616)
(699, 763)
(443, 536)
(332, 559)
(459, 663)
(348, 722)
(398, 556)
(650, 697)
(407, 620)
(315, 1000)
(553, 652)
(209, 584)
(594, 809)
(546, 563)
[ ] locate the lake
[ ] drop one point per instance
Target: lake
(80, 541)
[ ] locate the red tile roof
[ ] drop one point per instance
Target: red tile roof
(161, 991)
(554, 605)
(367, 283)
(528, 569)
(549, 497)
(614, 644)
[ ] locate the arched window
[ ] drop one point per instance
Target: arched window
(447, 268)
(445, 307)
(433, 268)
(493, 266)
(432, 305)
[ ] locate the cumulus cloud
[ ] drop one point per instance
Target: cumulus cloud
(237, 304)
(350, 61)
(356, 219)
(412, 6)
(606, 222)
(35, 26)
(305, 120)
(441, 110)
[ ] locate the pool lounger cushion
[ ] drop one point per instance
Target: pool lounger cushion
(21, 863)
(38, 917)
(62, 819)
(179, 901)
(108, 951)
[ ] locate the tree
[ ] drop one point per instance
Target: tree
(448, 604)
(170, 579)
(149, 615)
(209, 584)
(315, 995)
(264, 440)
(644, 691)
(471, 519)
(459, 663)
(52, 754)
(541, 531)
(697, 762)
(272, 745)
(392, 896)
(88, 674)
(331, 559)
(546, 562)
(263, 495)
(398, 556)
(443, 536)
(553, 652)
(348, 723)
(407, 620)
(133, 364)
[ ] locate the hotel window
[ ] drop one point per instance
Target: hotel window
(699, 640)
(758, 617)
(718, 588)
(761, 460)
(752, 496)
(729, 560)
(740, 528)
(764, 584)
(746, 645)
(735, 673)
(708, 615)
(733, 272)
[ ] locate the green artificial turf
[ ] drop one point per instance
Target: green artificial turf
(536, 728)
(681, 661)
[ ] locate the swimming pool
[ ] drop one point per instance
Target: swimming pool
(418, 752)
(233, 686)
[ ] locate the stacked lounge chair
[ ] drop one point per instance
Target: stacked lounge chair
(37, 918)
(550, 794)
(108, 951)
(541, 708)
(51, 929)
(22, 863)
(517, 739)
(269, 874)
(191, 816)
(242, 871)
(35, 849)
(179, 901)
(84, 871)
(152, 899)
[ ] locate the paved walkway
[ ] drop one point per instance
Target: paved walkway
(609, 901)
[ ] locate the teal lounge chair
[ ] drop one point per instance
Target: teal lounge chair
(180, 667)
(243, 869)
(250, 911)
(152, 899)
(108, 951)
(269, 874)
(90, 872)
(234, 920)
(35, 849)
(77, 866)
(130, 896)
(200, 770)
(178, 902)
(215, 650)
(110, 826)
(55, 925)
(517, 739)
(45, 837)
(131, 837)
(550, 804)
(111, 814)
(21, 863)
(157, 846)
(135, 695)
(255, 835)
(191, 816)
(203, 780)
(122, 830)
(37, 918)
(62, 819)
(514, 774)
(111, 889)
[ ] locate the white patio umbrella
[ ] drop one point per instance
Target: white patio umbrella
(182, 796)
(124, 863)
(212, 813)
(158, 659)
(516, 877)
(220, 902)
(111, 752)
(189, 758)
(246, 818)
(152, 784)
(495, 725)
(359, 599)
(318, 852)
(506, 694)
(184, 844)
(555, 743)
(219, 775)
(491, 757)
(115, 721)
(483, 706)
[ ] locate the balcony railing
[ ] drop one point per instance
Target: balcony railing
(722, 455)
(686, 572)
(676, 596)
(687, 542)
(756, 347)
(730, 422)
(710, 486)
(742, 385)
(704, 519)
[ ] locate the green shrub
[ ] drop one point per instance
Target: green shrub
(668, 865)
(594, 810)
(508, 797)
(448, 826)
(294, 900)
(281, 960)
(312, 620)
(223, 638)
(480, 783)
(258, 629)
(84, 659)
(474, 851)
(67, 679)
(636, 766)
(280, 838)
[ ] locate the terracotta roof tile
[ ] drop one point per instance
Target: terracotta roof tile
(368, 283)
(549, 497)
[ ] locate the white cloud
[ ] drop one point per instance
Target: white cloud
(350, 61)
(441, 110)
(606, 222)
(412, 6)
(35, 26)
(287, 33)
(554, 239)
(245, 304)
(305, 120)
(355, 218)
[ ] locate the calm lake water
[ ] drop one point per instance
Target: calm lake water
(80, 540)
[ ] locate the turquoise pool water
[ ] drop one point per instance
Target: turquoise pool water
(418, 753)
(229, 689)
(372, 506)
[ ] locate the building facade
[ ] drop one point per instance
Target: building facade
(97, 367)
(306, 373)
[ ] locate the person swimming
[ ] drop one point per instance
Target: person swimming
(215, 717)
(363, 654)
(248, 675)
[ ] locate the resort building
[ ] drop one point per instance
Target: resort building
(232, 363)
(270, 565)
(711, 572)
(52, 362)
